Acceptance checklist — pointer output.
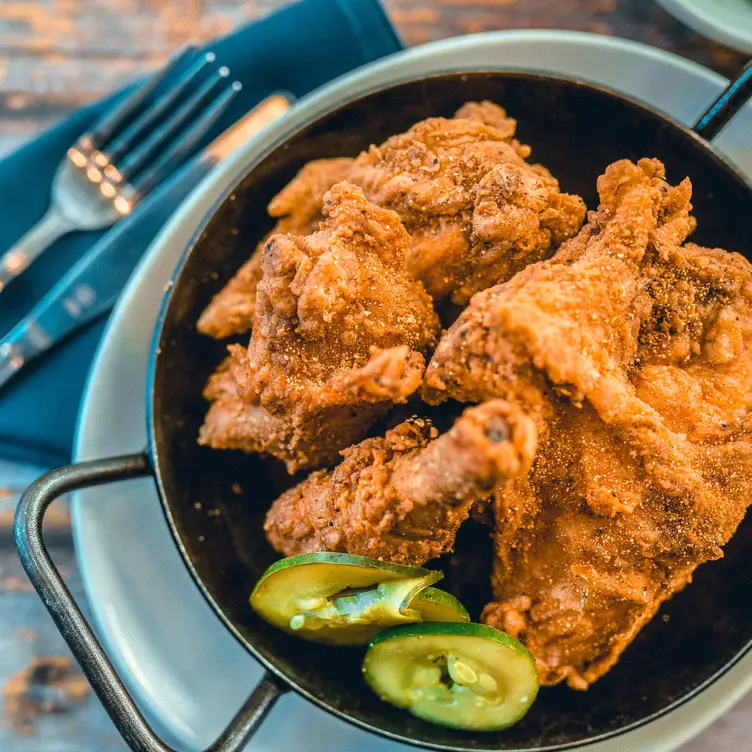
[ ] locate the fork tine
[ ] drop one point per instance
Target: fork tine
(137, 159)
(104, 129)
(186, 144)
(124, 142)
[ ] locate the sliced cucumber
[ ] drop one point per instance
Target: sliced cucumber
(465, 676)
(347, 599)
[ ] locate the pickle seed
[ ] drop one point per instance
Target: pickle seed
(488, 683)
(460, 672)
(312, 604)
(297, 622)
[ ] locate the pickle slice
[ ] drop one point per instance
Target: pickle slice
(465, 676)
(346, 599)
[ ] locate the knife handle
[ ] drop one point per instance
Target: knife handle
(261, 116)
(24, 343)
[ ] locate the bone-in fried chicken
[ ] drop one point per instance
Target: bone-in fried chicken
(234, 421)
(298, 209)
(476, 211)
(587, 301)
(402, 497)
(237, 420)
(340, 335)
(632, 352)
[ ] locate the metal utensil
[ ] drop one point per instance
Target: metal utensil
(127, 154)
(91, 287)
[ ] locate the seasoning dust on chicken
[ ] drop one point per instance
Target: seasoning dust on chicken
(631, 351)
(476, 210)
(340, 335)
(600, 377)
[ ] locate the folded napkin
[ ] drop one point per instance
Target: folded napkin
(296, 49)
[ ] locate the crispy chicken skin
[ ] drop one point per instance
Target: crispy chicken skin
(234, 422)
(476, 211)
(491, 114)
(587, 301)
(237, 420)
(231, 309)
(298, 211)
(402, 497)
(639, 385)
(340, 336)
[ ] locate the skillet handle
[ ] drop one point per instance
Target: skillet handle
(78, 634)
(719, 114)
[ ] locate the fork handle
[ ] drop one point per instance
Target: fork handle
(28, 248)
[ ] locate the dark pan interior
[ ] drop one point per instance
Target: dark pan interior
(216, 500)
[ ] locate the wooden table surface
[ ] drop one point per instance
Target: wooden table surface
(58, 54)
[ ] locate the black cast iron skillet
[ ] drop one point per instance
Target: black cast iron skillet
(576, 130)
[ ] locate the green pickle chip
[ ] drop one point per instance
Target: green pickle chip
(346, 599)
(465, 676)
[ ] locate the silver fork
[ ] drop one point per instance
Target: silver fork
(127, 154)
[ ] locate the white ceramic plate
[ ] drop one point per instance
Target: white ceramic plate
(183, 667)
(726, 21)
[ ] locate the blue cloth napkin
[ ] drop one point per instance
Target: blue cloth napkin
(296, 49)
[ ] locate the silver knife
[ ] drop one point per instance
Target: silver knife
(92, 285)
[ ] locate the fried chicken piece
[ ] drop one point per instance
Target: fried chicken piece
(591, 544)
(237, 420)
(234, 422)
(631, 352)
(301, 200)
(340, 336)
(402, 497)
(576, 316)
(231, 309)
(298, 208)
(491, 114)
(476, 211)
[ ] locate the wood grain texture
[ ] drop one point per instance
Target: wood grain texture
(56, 55)
(27, 634)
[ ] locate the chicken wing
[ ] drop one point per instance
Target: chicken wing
(476, 211)
(298, 209)
(402, 497)
(631, 351)
(340, 336)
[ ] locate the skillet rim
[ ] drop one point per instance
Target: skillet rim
(722, 161)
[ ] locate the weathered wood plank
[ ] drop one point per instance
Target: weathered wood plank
(36, 715)
(640, 20)
(58, 54)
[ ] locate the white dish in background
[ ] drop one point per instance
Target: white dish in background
(184, 668)
(727, 21)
